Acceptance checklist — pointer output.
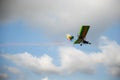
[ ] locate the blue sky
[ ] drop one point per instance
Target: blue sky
(33, 44)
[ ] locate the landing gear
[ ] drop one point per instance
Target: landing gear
(86, 42)
(89, 43)
(80, 44)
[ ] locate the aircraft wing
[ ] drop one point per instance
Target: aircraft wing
(82, 34)
(78, 41)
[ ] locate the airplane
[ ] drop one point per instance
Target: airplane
(81, 37)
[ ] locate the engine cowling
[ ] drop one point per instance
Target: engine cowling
(69, 37)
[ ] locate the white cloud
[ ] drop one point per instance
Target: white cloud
(3, 76)
(41, 64)
(63, 16)
(45, 78)
(111, 57)
(15, 73)
(73, 60)
(13, 70)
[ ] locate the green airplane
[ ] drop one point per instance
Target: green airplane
(81, 37)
